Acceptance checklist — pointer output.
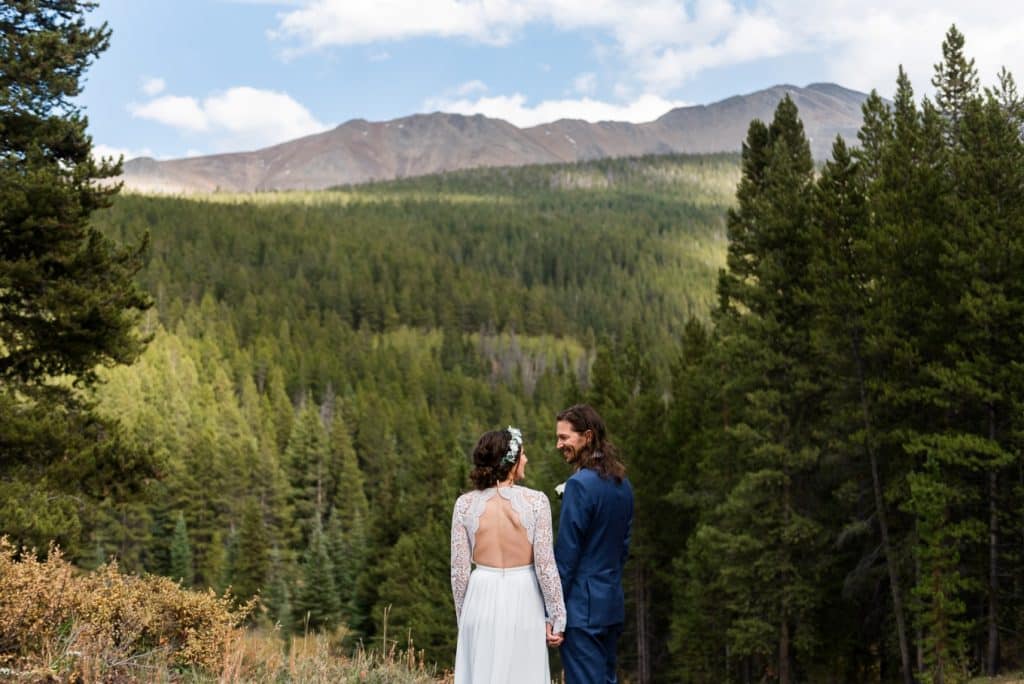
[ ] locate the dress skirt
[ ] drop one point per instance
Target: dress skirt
(501, 631)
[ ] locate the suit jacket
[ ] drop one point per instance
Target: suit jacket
(594, 529)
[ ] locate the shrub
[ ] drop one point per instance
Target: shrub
(103, 624)
(60, 624)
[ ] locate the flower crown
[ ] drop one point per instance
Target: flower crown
(515, 443)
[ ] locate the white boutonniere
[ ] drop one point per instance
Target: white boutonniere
(560, 489)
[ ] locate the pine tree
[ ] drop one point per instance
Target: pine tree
(316, 602)
(972, 382)
(68, 301)
(306, 463)
(416, 593)
(181, 553)
(252, 558)
(347, 488)
(278, 598)
(693, 429)
(845, 321)
(279, 408)
(955, 81)
(349, 520)
(212, 565)
(767, 543)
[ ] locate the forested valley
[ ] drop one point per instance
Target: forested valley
(321, 364)
(814, 373)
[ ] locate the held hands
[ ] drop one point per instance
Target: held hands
(553, 639)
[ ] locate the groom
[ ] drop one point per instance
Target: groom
(593, 541)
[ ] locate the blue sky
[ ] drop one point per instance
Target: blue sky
(190, 77)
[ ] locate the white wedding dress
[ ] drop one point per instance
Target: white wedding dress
(501, 606)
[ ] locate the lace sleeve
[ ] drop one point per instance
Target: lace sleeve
(460, 555)
(544, 565)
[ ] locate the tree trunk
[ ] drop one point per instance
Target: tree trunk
(883, 524)
(919, 632)
(784, 674)
(993, 558)
(643, 646)
(784, 637)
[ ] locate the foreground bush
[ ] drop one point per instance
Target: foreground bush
(104, 624)
(58, 623)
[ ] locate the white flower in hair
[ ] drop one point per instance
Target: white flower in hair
(515, 442)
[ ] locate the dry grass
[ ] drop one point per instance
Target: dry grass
(58, 624)
(319, 658)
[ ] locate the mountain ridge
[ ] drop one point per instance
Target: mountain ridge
(359, 150)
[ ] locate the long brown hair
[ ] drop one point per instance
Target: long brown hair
(599, 454)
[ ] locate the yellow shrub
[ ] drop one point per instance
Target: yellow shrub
(94, 624)
(60, 624)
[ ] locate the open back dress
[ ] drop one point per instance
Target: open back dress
(504, 602)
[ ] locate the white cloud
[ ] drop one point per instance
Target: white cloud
(172, 110)
(751, 38)
(864, 48)
(661, 44)
(585, 84)
(259, 117)
(321, 23)
(381, 56)
(859, 44)
(470, 87)
(515, 109)
(238, 118)
(154, 86)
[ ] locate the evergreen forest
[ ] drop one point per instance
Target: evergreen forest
(320, 365)
(814, 374)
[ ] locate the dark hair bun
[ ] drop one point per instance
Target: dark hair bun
(488, 453)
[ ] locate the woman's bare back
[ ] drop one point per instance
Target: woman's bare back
(501, 539)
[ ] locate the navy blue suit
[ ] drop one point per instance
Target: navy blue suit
(594, 529)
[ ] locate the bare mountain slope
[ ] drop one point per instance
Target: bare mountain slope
(359, 151)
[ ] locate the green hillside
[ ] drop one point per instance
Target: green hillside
(589, 250)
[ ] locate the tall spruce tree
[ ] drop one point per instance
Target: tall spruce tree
(767, 543)
(68, 303)
(846, 320)
(316, 604)
(307, 465)
(916, 201)
(252, 557)
(347, 529)
(414, 593)
(955, 81)
(973, 382)
(278, 598)
(986, 379)
(181, 569)
(694, 425)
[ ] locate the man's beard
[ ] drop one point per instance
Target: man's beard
(570, 455)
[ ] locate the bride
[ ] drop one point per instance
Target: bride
(505, 530)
